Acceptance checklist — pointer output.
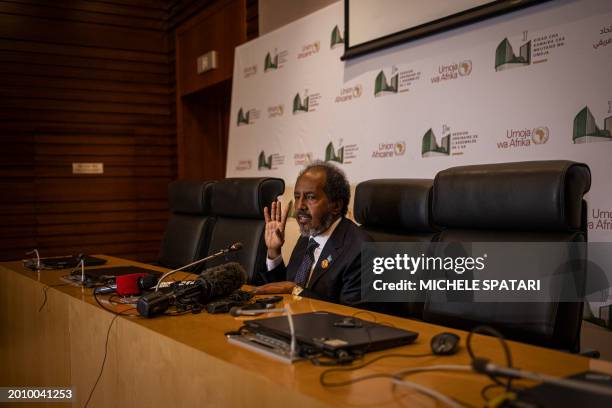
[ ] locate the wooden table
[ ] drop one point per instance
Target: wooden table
(186, 361)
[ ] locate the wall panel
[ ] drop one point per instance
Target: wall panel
(85, 81)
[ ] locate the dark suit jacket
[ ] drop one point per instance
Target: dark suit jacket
(340, 282)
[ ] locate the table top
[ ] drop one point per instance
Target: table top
(205, 334)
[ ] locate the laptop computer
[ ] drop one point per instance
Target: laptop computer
(328, 332)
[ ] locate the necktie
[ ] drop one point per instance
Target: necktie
(301, 276)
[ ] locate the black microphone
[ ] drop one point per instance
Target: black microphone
(236, 246)
(233, 247)
(485, 366)
(148, 281)
(211, 284)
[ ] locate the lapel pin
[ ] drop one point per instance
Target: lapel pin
(325, 263)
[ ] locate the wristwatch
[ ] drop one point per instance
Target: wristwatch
(297, 290)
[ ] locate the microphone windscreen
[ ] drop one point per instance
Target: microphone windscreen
(236, 246)
(128, 284)
(221, 280)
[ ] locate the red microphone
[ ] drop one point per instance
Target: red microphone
(127, 285)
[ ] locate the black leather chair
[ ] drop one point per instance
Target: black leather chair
(237, 204)
(539, 201)
(396, 210)
(188, 231)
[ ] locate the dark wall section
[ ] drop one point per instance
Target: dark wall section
(88, 82)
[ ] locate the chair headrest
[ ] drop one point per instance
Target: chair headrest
(189, 196)
(245, 197)
(394, 204)
(536, 195)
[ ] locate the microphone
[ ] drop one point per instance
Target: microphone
(81, 263)
(211, 284)
(35, 252)
(236, 246)
(484, 366)
(147, 282)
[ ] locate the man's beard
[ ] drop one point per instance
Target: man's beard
(326, 221)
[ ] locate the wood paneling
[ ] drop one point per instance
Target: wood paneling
(203, 100)
(220, 28)
(85, 81)
(94, 81)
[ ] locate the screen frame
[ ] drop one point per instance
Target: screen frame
(432, 27)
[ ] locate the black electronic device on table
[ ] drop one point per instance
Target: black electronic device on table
(98, 274)
(321, 331)
(551, 395)
(64, 262)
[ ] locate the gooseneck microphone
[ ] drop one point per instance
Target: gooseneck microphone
(211, 284)
(485, 366)
(35, 252)
(236, 246)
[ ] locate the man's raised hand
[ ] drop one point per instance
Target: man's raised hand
(276, 219)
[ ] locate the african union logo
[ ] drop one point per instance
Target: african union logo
(243, 165)
(275, 111)
(388, 150)
(309, 50)
(465, 68)
(539, 135)
(586, 129)
(349, 93)
(400, 148)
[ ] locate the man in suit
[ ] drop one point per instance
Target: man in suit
(326, 261)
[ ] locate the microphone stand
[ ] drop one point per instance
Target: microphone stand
(234, 247)
(81, 265)
(35, 252)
